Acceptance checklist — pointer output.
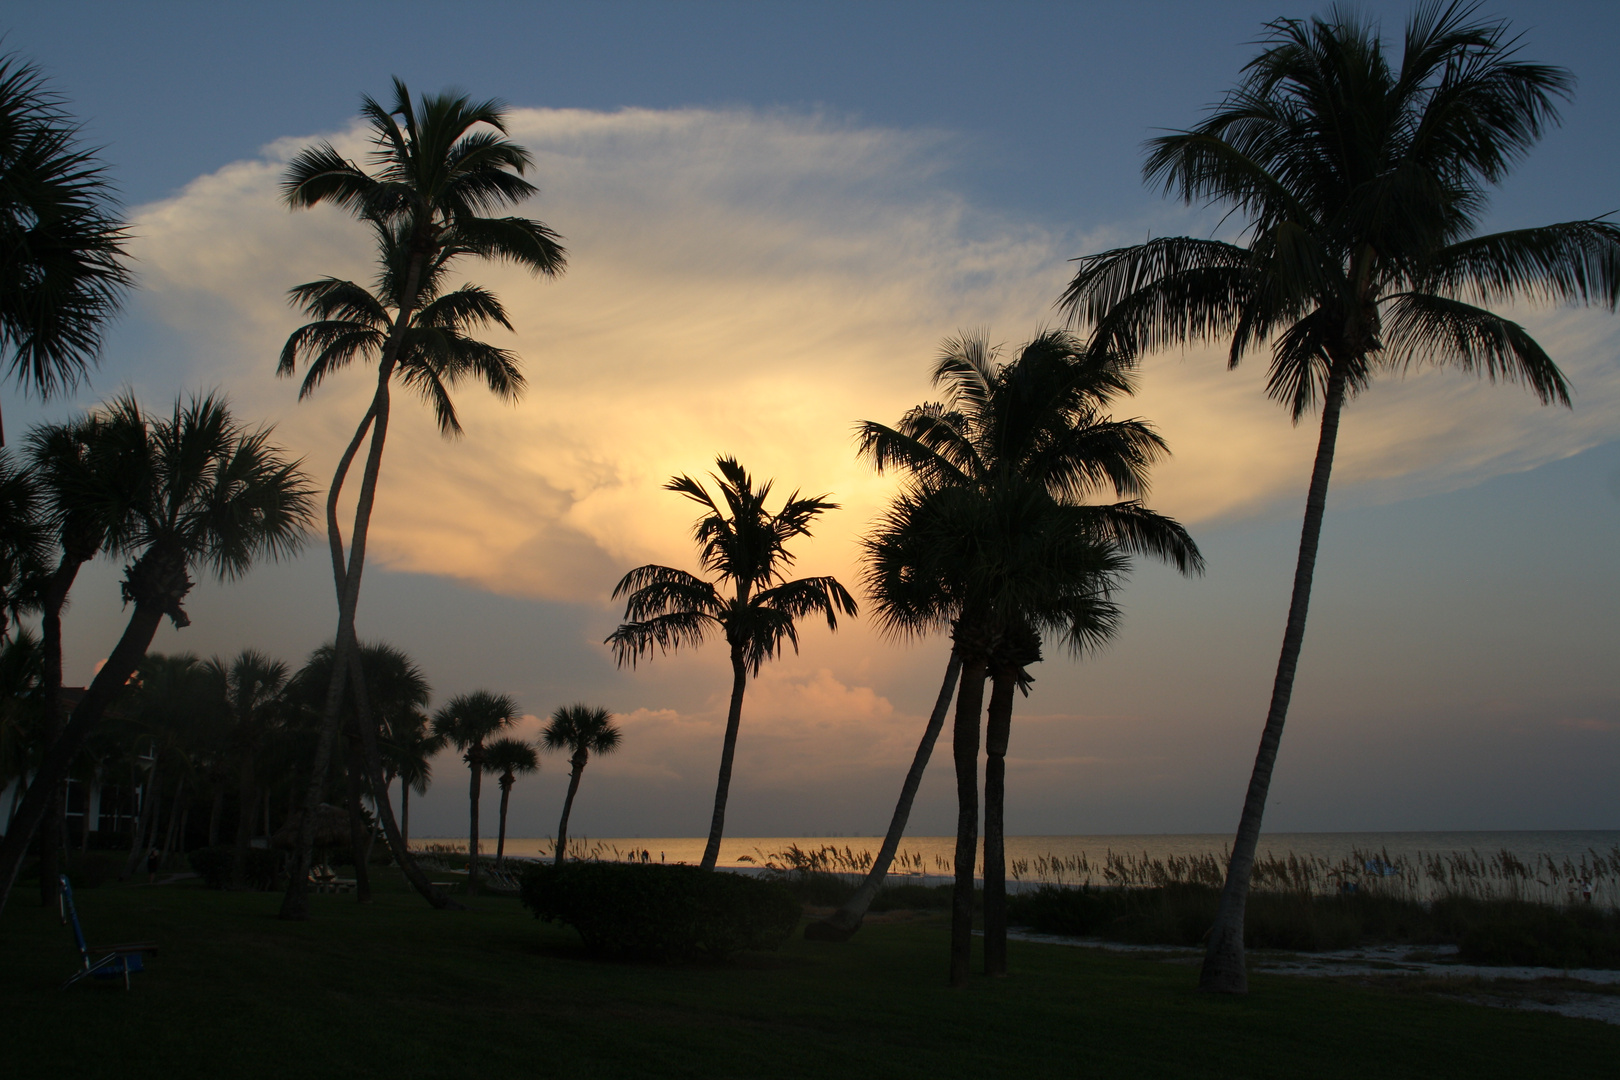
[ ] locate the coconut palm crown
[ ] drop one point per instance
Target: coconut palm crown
(1361, 179)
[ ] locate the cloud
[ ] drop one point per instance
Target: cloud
(754, 283)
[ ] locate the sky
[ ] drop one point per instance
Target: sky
(774, 213)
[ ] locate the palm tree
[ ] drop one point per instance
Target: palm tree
(993, 540)
(465, 722)
(62, 259)
(1362, 184)
(24, 541)
(442, 165)
(581, 729)
(176, 708)
(506, 757)
(745, 547)
(408, 754)
(218, 496)
(253, 683)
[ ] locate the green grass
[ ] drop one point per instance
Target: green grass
(396, 990)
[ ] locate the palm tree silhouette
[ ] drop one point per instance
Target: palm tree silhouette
(506, 758)
(1362, 184)
(582, 730)
(216, 496)
(745, 547)
(442, 166)
(408, 754)
(253, 683)
(993, 539)
(466, 721)
(62, 258)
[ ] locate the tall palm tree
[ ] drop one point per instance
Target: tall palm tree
(218, 496)
(505, 758)
(1362, 181)
(582, 730)
(441, 166)
(62, 260)
(745, 547)
(994, 539)
(465, 722)
(253, 683)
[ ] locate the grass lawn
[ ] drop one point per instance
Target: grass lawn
(398, 990)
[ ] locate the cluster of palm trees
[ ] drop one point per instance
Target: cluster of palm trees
(1358, 178)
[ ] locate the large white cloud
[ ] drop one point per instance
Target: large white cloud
(752, 284)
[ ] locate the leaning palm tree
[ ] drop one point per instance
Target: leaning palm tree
(745, 547)
(441, 166)
(1362, 182)
(505, 758)
(466, 722)
(62, 258)
(582, 730)
(998, 477)
(218, 496)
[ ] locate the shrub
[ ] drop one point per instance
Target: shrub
(1513, 932)
(816, 887)
(910, 897)
(664, 912)
(214, 864)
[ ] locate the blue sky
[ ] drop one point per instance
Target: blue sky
(776, 211)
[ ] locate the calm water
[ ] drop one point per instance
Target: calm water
(934, 853)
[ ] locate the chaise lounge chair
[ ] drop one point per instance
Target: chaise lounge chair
(118, 961)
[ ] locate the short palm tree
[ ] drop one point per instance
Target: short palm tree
(441, 166)
(218, 496)
(1362, 182)
(994, 539)
(466, 722)
(253, 683)
(506, 758)
(745, 547)
(408, 753)
(63, 269)
(581, 730)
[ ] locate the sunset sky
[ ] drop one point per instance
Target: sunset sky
(774, 213)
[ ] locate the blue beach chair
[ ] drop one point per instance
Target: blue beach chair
(119, 961)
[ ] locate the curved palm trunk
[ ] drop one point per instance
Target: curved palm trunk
(146, 824)
(1225, 970)
(55, 598)
(717, 827)
(295, 904)
(998, 728)
(103, 691)
(385, 811)
(965, 753)
(357, 831)
(578, 763)
(500, 836)
(475, 762)
(842, 924)
(404, 813)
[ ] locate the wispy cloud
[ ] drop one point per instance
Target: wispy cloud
(753, 284)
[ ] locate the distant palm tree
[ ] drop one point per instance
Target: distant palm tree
(994, 539)
(745, 547)
(176, 707)
(442, 165)
(63, 269)
(582, 730)
(253, 683)
(1362, 184)
(465, 722)
(217, 496)
(506, 758)
(408, 754)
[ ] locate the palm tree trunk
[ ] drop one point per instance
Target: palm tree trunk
(146, 825)
(998, 728)
(842, 924)
(373, 761)
(475, 763)
(717, 826)
(244, 821)
(56, 593)
(500, 837)
(215, 809)
(404, 813)
(295, 905)
(357, 828)
(1225, 970)
(568, 806)
(965, 752)
(177, 817)
(95, 785)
